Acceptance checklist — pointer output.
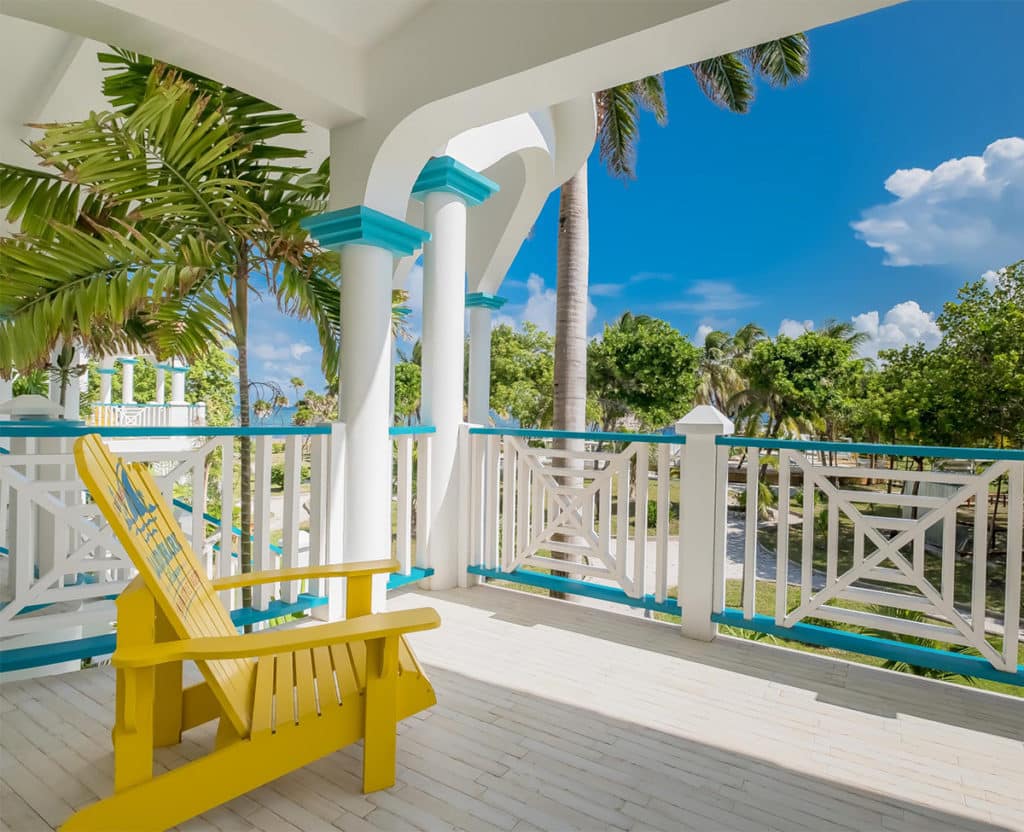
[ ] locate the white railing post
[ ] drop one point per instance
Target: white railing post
(702, 498)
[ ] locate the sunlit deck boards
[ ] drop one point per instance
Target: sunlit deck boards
(556, 716)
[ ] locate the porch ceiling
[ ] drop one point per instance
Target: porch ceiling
(551, 715)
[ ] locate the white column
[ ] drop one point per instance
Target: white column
(159, 383)
(6, 392)
(702, 514)
(106, 371)
(444, 276)
(479, 365)
(359, 523)
(365, 402)
(178, 385)
(481, 307)
(128, 381)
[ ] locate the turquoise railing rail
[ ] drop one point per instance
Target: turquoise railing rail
(867, 448)
(59, 429)
(591, 436)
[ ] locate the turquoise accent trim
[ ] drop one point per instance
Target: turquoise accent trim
(62, 428)
(29, 429)
(177, 369)
(364, 226)
(103, 371)
(881, 648)
(405, 430)
(477, 300)
(596, 436)
(396, 580)
(128, 360)
(572, 586)
(443, 173)
(936, 451)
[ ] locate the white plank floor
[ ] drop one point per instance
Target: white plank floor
(556, 716)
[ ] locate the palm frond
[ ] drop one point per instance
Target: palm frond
(650, 92)
(781, 61)
(618, 129)
(726, 80)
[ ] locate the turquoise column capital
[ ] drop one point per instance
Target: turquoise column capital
(482, 300)
(103, 371)
(443, 173)
(360, 225)
(177, 369)
(128, 360)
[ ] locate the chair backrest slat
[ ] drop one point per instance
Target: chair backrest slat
(138, 512)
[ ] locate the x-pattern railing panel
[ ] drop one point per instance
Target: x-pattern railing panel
(889, 576)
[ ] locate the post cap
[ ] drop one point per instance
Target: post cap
(705, 418)
(31, 407)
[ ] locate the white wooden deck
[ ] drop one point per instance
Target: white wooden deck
(556, 716)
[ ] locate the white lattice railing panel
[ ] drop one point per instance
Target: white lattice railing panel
(891, 542)
(581, 511)
(62, 554)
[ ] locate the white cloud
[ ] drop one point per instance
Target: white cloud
(967, 212)
(612, 290)
(278, 348)
(905, 323)
(702, 332)
(539, 308)
(794, 329)
(606, 290)
(705, 296)
(991, 277)
(299, 350)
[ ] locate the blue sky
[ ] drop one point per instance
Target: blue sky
(750, 218)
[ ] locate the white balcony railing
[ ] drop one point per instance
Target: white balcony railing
(60, 563)
(148, 415)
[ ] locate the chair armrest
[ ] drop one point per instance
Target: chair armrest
(270, 642)
(357, 569)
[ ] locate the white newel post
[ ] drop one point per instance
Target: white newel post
(127, 380)
(360, 480)
(106, 371)
(446, 187)
(702, 519)
(481, 306)
(6, 393)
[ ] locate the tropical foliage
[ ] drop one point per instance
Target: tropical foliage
(728, 81)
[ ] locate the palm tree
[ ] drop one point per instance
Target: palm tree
(297, 384)
(719, 373)
(163, 215)
(728, 81)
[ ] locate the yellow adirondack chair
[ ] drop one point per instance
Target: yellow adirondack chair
(283, 698)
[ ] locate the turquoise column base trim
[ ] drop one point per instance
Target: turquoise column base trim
(482, 300)
(880, 648)
(572, 586)
(443, 173)
(416, 574)
(360, 225)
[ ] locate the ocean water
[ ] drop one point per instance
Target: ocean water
(280, 417)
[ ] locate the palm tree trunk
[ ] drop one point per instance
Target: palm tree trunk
(241, 326)
(570, 376)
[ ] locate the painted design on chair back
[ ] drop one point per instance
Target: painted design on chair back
(142, 519)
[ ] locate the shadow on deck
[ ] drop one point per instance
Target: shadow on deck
(556, 716)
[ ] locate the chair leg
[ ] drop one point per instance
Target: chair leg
(133, 728)
(167, 716)
(379, 746)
